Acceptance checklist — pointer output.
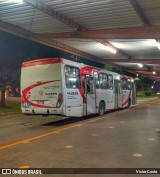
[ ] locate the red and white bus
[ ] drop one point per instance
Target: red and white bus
(60, 86)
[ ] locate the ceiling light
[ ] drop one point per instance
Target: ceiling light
(140, 65)
(107, 48)
(111, 50)
(158, 45)
(16, 1)
(153, 43)
(154, 72)
(119, 45)
(137, 75)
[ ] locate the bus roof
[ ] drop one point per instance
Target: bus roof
(43, 61)
(125, 76)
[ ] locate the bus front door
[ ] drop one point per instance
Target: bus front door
(118, 94)
(90, 95)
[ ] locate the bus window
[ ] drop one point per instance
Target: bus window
(110, 82)
(96, 79)
(103, 81)
(90, 85)
(119, 87)
(72, 77)
(83, 85)
(126, 85)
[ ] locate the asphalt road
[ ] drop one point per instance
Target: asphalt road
(121, 139)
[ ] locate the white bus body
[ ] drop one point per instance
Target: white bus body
(60, 86)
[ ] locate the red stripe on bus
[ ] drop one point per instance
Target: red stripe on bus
(88, 70)
(42, 62)
(82, 95)
(26, 90)
(127, 99)
(110, 109)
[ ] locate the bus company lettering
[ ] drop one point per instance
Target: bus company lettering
(50, 94)
(72, 93)
(51, 87)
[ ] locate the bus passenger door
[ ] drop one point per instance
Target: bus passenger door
(90, 95)
(118, 94)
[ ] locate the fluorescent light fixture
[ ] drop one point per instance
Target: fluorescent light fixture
(119, 45)
(72, 79)
(154, 43)
(158, 45)
(110, 49)
(16, 1)
(154, 72)
(140, 65)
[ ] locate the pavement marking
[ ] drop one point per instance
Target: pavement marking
(65, 128)
(68, 146)
(110, 127)
(137, 155)
(23, 167)
(151, 139)
(26, 142)
(39, 136)
(78, 125)
(122, 122)
(94, 134)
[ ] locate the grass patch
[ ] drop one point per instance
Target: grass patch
(144, 96)
(13, 108)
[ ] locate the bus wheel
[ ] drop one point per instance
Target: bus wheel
(101, 110)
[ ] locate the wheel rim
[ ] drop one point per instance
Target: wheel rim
(101, 111)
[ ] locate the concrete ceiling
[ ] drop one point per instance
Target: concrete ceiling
(121, 33)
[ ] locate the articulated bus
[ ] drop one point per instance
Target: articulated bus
(61, 86)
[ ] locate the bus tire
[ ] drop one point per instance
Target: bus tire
(101, 110)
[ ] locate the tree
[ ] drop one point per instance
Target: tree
(108, 67)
